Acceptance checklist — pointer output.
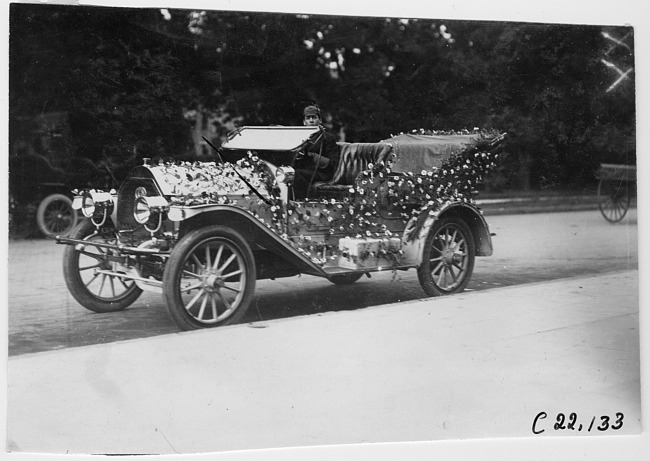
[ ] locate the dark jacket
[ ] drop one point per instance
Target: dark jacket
(330, 150)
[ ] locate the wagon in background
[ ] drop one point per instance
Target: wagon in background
(616, 187)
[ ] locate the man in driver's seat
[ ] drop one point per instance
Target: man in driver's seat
(321, 156)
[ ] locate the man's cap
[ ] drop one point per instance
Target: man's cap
(311, 110)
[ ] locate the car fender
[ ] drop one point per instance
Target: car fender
(413, 247)
(259, 235)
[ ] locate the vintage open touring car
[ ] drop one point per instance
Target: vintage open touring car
(202, 233)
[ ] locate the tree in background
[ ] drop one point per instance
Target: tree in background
(120, 84)
(553, 100)
(149, 82)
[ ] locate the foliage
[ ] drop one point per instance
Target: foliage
(120, 84)
(132, 81)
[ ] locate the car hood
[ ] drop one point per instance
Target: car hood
(205, 180)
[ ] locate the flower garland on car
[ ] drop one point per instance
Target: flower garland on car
(196, 183)
(200, 183)
(410, 195)
(419, 196)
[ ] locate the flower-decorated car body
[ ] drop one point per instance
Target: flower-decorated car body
(202, 233)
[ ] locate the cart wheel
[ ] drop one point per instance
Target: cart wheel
(614, 199)
(55, 216)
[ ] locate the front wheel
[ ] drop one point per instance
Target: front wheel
(447, 258)
(55, 215)
(209, 279)
(87, 272)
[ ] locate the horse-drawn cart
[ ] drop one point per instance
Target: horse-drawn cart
(616, 187)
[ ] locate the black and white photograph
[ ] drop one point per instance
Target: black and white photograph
(343, 231)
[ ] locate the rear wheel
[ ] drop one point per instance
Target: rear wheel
(447, 258)
(94, 290)
(209, 279)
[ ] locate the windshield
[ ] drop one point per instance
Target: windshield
(270, 138)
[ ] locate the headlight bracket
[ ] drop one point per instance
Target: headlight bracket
(148, 211)
(97, 205)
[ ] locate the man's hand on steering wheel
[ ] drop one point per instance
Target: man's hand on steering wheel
(318, 160)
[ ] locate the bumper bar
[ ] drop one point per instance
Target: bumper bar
(119, 247)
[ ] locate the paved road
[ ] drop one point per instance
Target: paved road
(505, 362)
(528, 248)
